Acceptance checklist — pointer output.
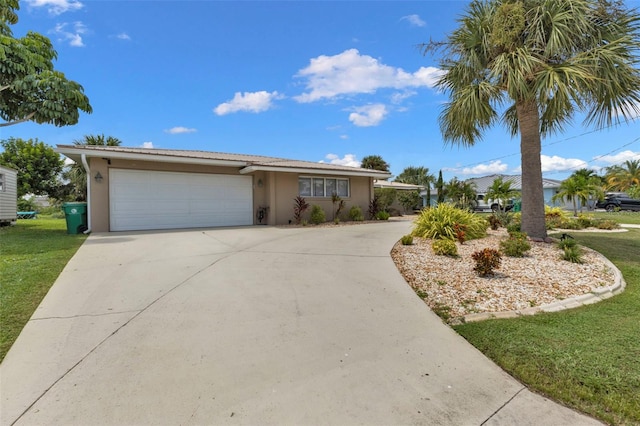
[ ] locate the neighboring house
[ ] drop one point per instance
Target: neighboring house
(399, 186)
(8, 195)
(146, 188)
(550, 188)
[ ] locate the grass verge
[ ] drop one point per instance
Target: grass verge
(32, 255)
(587, 358)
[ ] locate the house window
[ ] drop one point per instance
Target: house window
(322, 187)
(318, 187)
(304, 186)
(1, 182)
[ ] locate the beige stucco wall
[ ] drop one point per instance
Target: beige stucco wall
(274, 190)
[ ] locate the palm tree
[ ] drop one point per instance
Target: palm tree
(578, 187)
(500, 190)
(374, 162)
(76, 175)
(531, 65)
(417, 176)
(622, 178)
(461, 193)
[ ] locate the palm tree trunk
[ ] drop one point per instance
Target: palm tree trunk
(533, 222)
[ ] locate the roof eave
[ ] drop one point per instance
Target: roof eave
(75, 153)
(310, 170)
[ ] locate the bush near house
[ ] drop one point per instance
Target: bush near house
(440, 223)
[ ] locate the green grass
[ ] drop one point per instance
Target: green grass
(32, 255)
(620, 217)
(587, 358)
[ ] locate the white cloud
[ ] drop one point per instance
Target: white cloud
(179, 129)
(618, 158)
(344, 137)
(72, 35)
(398, 97)
(351, 73)
(493, 167)
(56, 7)
(146, 145)
(347, 160)
(414, 20)
(559, 164)
(123, 36)
(368, 115)
(248, 102)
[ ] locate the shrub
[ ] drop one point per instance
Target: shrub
(385, 197)
(438, 223)
(554, 212)
(567, 243)
(374, 206)
(300, 205)
(606, 224)
(27, 205)
(444, 247)
(355, 214)
(585, 221)
(460, 234)
(317, 215)
(494, 221)
(568, 223)
(486, 261)
(407, 240)
(572, 254)
(338, 206)
(382, 215)
(516, 245)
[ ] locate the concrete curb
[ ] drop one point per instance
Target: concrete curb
(596, 295)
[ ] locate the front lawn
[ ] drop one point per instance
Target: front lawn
(620, 217)
(32, 255)
(586, 358)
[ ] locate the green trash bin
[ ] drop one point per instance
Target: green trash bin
(76, 216)
(517, 206)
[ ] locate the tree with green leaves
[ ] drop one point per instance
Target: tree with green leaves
(501, 191)
(622, 177)
(579, 188)
(30, 88)
(462, 194)
(374, 162)
(409, 200)
(76, 175)
(532, 65)
(417, 176)
(38, 165)
(440, 188)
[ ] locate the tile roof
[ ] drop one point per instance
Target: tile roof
(483, 183)
(250, 162)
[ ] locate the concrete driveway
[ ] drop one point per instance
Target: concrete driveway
(255, 325)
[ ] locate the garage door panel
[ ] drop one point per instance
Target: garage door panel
(164, 200)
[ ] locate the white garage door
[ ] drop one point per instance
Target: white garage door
(164, 200)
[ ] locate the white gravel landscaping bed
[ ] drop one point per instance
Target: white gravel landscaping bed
(539, 278)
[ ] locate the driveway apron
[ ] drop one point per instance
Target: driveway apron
(256, 325)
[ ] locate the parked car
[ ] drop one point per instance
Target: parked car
(618, 201)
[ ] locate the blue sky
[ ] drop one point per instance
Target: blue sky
(329, 81)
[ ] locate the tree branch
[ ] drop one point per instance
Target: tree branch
(11, 123)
